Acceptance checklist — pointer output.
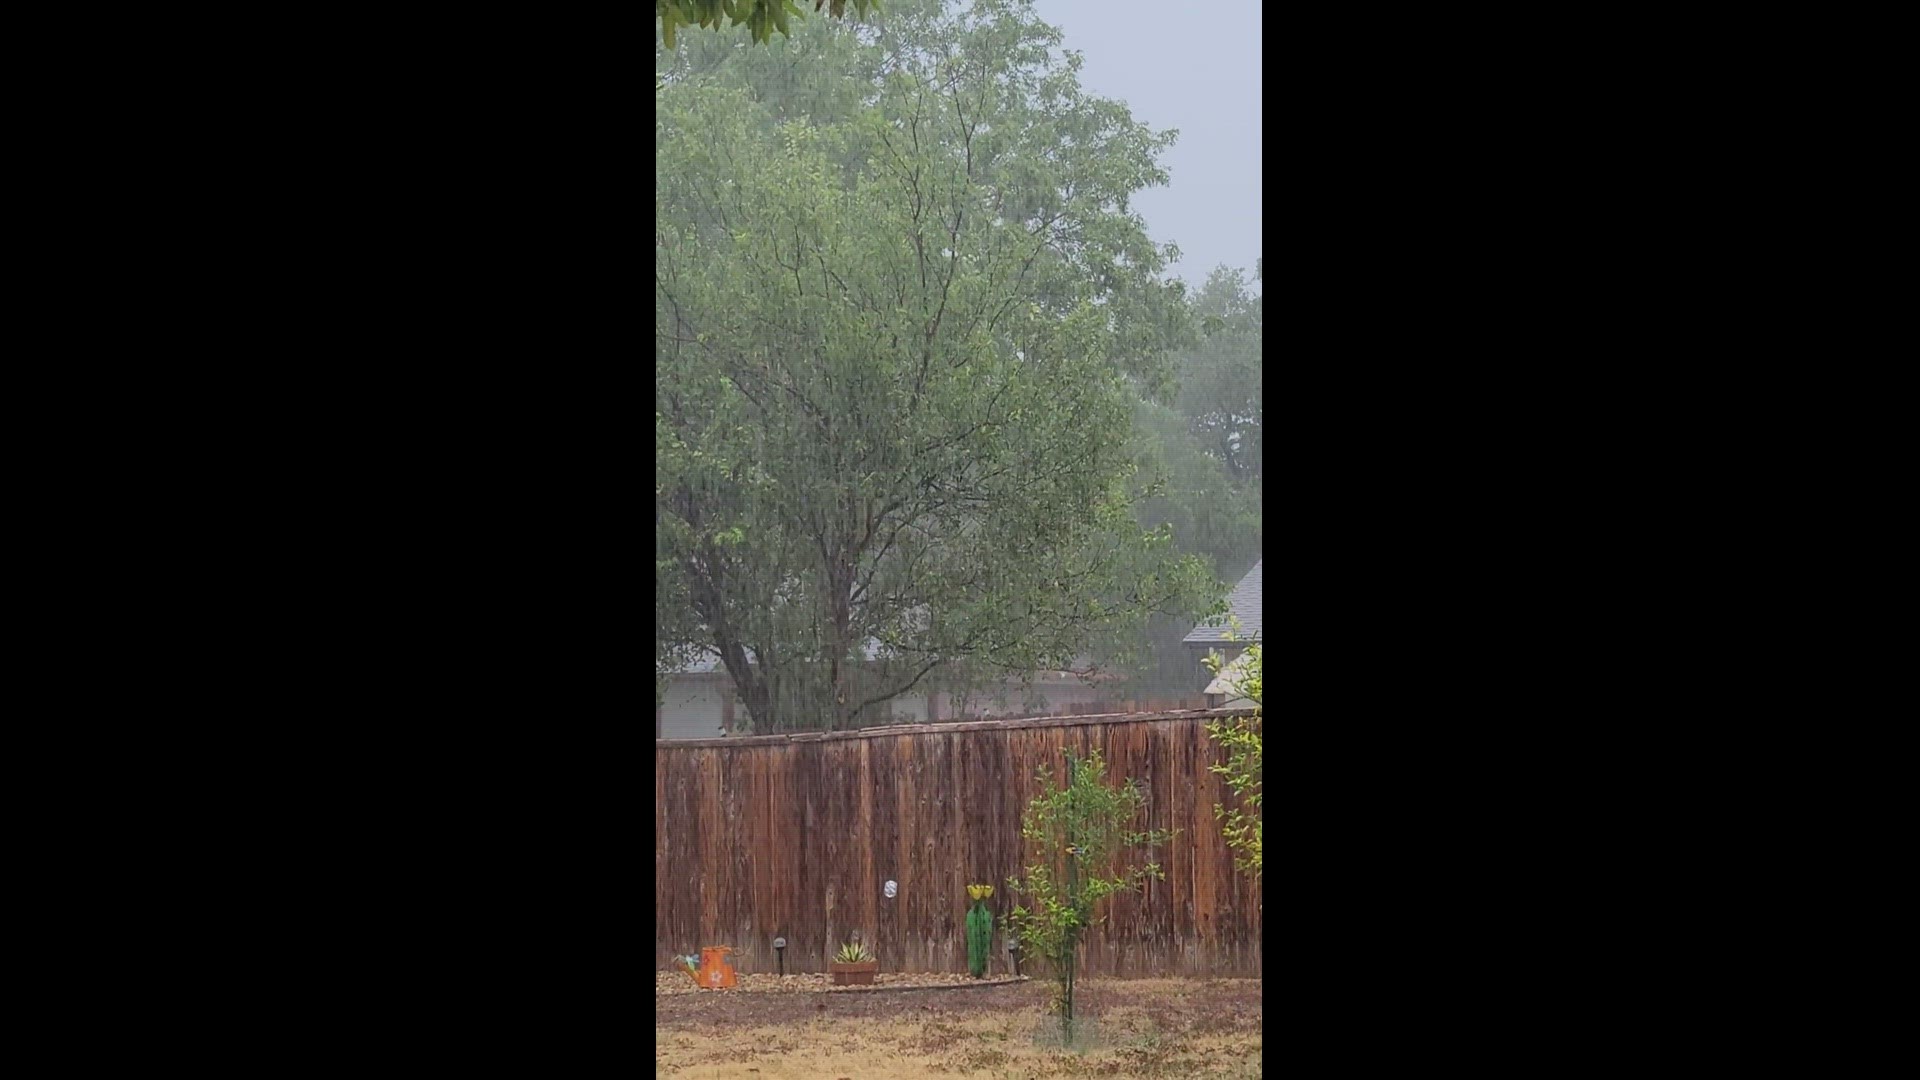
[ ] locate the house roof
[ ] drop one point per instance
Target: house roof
(1243, 605)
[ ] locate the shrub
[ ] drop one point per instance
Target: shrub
(1084, 828)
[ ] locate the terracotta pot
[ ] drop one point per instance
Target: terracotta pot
(860, 974)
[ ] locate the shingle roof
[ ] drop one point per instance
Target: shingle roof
(1243, 604)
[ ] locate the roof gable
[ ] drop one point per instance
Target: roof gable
(1243, 606)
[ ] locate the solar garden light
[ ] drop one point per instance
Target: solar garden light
(780, 950)
(1013, 953)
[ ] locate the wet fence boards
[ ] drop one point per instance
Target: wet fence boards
(796, 836)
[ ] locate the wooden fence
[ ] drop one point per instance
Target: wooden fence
(795, 836)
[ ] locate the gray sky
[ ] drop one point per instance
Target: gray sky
(1197, 70)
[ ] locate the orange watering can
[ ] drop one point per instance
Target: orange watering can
(715, 972)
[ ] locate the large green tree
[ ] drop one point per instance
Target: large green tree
(897, 345)
(1199, 460)
(760, 17)
(1220, 391)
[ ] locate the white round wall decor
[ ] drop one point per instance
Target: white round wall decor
(893, 888)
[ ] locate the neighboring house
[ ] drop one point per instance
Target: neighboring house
(1052, 693)
(700, 702)
(1223, 692)
(1243, 608)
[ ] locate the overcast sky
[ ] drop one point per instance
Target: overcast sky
(1195, 69)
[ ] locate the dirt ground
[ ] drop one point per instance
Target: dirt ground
(1189, 1029)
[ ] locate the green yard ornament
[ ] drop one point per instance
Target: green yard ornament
(979, 930)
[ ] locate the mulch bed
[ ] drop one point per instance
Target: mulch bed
(673, 983)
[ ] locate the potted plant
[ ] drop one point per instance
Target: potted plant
(854, 966)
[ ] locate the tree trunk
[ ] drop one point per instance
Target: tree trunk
(843, 688)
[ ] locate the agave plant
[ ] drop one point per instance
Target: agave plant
(853, 953)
